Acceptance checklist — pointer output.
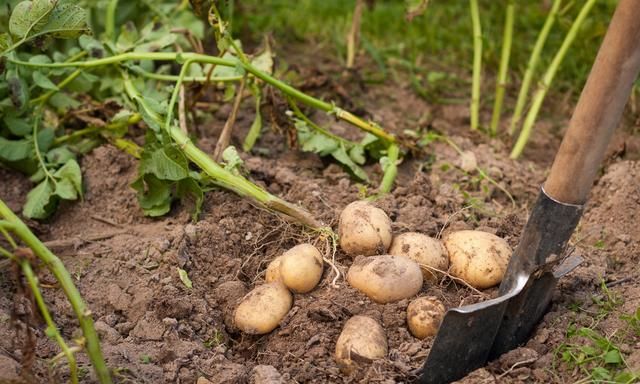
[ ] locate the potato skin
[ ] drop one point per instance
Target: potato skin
(262, 309)
(424, 316)
(385, 278)
(273, 270)
(479, 258)
(362, 340)
(301, 268)
(424, 250)
(364, 229)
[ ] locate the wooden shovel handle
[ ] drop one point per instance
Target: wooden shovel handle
(599, 109)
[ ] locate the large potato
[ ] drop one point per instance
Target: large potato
(385, 278)
(362, 340)
(262, 309)
(364, 229)
(424, 250)
(477, 257)
(301, 268)
(273, 270)
(424, 316)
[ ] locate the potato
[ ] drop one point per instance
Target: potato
(364, 229)
(385, 278)
(477, 257)
(424, 250)
(424, 316)
(262, 309)
(273, 270)
(301, 268)
(362, 340)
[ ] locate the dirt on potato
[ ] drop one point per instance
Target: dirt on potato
(154, 329)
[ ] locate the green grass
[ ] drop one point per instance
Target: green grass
(442, 36)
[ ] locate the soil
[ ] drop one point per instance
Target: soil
(154, 329)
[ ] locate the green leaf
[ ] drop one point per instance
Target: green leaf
(15, 150)
(613, 357)
(43, 81)
(28, 17)
(184, 277)
(65, 190)
(154, 195)
(156, 45)
(256, 128)
(71, 174)
(5, 41)
(39, 202)
(356, 153)
(224, 71)
(18, 126)
(59, 156)
(165, 163)
(45, 139)
(343, 158)
(264, 61)
(63, 102)
(66, 21)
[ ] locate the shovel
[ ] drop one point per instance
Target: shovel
(472, 335)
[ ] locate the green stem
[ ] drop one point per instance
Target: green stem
(46, 96)
(531, 66)
(547, 79)
(174, 94)
(110, 20)
(196, 57)
(135, 118)
(223, 177)
(391, 171)
(298, 113)
(52, 330)
(186, 79)
(504, 66)
(61, 274)
(477, 64)
(36, 145)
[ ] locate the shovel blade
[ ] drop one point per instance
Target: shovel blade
(465, 337)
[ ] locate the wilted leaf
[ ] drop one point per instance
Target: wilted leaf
(28, 17)
(66, 21)
(70, 172)
(232, 159)
(5, 41)
(154, 195)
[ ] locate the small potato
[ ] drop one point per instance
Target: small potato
(424, 250)
(477, 257)
(273, 270)
(362, 340)
(262, 309)
(386, 278)
(301, 268)
(424, 316)
(364, 229)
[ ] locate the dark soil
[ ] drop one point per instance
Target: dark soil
(155, 330)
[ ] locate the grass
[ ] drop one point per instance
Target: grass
(425, 41)
(598, 357)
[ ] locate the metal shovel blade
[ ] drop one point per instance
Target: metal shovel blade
(465, 338)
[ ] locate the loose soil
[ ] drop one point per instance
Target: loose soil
(155, 330)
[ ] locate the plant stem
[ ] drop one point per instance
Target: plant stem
(61, 274)
(110, 20)
(547, 79)
(298, 113)
(174, 94)
(354, 33)
(532, 64)
(196, 57)
(391, 171)
(477, 64)
(504, 66)
(186, 79)
(223, 177)
(133, 119)
(225, 135)
(52, 331)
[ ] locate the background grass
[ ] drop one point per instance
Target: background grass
(441, 37)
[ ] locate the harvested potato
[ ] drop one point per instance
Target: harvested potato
(301, 268)
(477, 257)
(385, 278)
(424, 316)
(364, 229)
(262, 309)
(362, 340)
(424, 250)
(273, 270)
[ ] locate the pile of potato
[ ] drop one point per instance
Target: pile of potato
(386, 269)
